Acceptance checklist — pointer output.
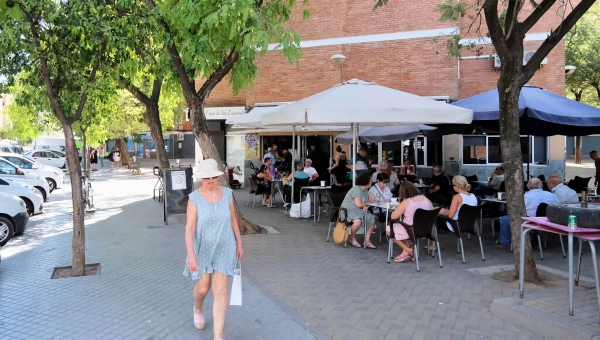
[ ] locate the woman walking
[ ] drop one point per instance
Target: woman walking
(93, 160)
(117, 158)
(101, 155)
(213, 243)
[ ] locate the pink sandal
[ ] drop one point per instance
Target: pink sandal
(356, 244)
(199, 321)
(371, 245)
(401, 258)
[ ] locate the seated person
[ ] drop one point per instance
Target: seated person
(407, 169)
(289, 180)
(268, 162)
(410, 199)
(493, 184)
(387, 168)
(533, 198)
(354, 203)
(310, 171)
(463, 196)
(440, 186)
(562, 192)
(264, 179)
(380, 190)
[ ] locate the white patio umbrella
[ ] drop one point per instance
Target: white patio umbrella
(379, 134)
(358, 102)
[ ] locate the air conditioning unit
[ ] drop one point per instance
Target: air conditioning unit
(180, 136)
(526, 56)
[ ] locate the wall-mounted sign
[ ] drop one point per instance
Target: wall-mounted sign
(213, 113)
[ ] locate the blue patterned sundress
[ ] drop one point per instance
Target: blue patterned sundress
(214, 241)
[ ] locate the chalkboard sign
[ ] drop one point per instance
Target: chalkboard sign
(178, 185)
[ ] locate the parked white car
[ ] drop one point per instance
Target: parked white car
(33, 198)
(11, 171)
(53, 175)
(13, 217)
(46, 157)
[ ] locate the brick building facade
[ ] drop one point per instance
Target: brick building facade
(393, 46)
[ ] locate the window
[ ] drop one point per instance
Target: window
(7, 169)
(38, 154)
(19, 162)
(429, 151)
(487, 150)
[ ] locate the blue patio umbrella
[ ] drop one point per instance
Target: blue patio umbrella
(541, 113)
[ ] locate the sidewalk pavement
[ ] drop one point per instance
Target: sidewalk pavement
(296, 286)
(140, 293)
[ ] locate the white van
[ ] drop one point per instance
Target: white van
(50, 143)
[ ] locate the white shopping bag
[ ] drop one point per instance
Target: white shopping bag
(236, 286)
(295, 209)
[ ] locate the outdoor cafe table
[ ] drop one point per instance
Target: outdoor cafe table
(542, 224)
(314, 188)
(387, 204)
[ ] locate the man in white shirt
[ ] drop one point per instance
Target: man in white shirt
(533, 198)
(562, 192)
(310, 171)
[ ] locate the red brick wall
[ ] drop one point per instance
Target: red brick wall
(412, 65)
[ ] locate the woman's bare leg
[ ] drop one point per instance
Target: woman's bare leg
(200, 291)
(354, 228)
(369, 232)
(219, 286)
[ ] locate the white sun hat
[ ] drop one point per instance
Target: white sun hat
(206, 169)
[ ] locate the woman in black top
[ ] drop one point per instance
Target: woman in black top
(339, 168)
(93, 160)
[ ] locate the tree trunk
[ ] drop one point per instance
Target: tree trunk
(153, 115)
(78, 242)
(209, 150)
(578, 144)
(509, 89)
(136, 147)
(125, 159)
(84, 154)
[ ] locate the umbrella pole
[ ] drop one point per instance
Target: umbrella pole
(354, 155)
(416, 154)
(529, 155)
(292, 166)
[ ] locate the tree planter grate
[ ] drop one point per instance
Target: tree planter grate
(65, 272)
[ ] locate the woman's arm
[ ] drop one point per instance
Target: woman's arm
(400, 210)
(371, 195)
(190, 231)
(337, 162)
(456, 202)
(236, 232)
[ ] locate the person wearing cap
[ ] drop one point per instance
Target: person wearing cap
(213, 244)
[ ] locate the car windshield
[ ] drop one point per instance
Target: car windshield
(32, 160)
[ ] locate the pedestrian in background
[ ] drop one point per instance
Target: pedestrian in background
(117, 158)
(93, 160)
(101, 155)
(111, 157)
(213, 243)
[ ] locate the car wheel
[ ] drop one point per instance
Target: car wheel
(6, 230)
(44, 195)
(51, 184)
(29, 205)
